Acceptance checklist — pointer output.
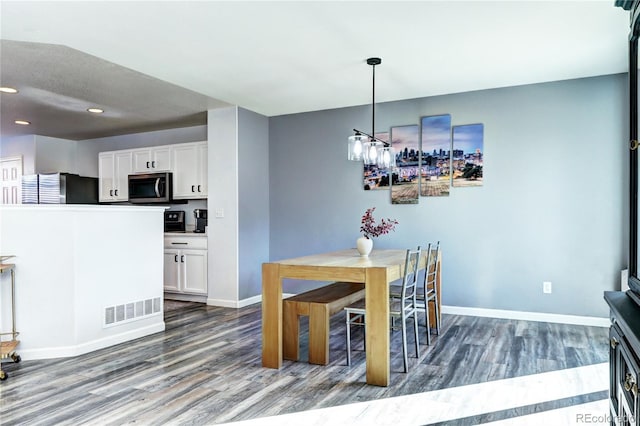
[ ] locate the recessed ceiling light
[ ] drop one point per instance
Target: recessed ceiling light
(22, 122)
(8, 90)
(95, 110)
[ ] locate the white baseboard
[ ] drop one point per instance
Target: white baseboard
(223, 303)
(186, 297)
(460, 310)
(86, 347)
(235, 304)
(242, 303)
(527, 316)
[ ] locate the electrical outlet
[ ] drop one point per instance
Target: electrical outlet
(219, 213)
(546, 287)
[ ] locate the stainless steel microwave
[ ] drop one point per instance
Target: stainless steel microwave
(151, 188)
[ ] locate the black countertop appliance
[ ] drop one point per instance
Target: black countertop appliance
(201, 220)
(174, 221)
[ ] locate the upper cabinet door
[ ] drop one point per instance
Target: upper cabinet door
(203, 160)
(114, 169)
(141, 160)
(161, 159)
(106, 170)
(122, 171)
(185, 171)
(149, 160)
(634, 152)
(189, 166)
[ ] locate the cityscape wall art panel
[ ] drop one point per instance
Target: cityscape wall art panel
(435, 158)
(467, 154)
(375, 178)
(404, 181)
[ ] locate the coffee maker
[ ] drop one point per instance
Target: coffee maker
(201, 220)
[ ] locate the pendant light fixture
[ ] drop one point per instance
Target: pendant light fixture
(366, 147)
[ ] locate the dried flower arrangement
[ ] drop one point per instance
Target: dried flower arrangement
(369, 228)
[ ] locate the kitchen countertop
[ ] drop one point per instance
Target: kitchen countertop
(185, 234)
(82, 208)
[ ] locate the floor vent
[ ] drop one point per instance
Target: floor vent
(133, 311)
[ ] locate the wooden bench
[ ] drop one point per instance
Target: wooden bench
(319, 305)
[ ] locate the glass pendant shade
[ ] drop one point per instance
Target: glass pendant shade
(386, 158)
(356, 147)
(371, 148)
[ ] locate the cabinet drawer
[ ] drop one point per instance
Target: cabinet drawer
(194, 243)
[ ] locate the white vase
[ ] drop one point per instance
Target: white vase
(364, 246)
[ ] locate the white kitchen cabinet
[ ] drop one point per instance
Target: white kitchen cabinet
(185, 264)
(187, 162)
(149, 160)
(114, 169)
(190, 170)
(171, 270)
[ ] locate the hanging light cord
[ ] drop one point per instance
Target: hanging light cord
(373, 62)
(373, 96)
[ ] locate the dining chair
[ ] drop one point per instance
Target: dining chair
(427, 294)
(403, 307)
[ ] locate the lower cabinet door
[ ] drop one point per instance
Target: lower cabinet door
(628, 372)
(615, 340)
(194, 268)
(172, 267)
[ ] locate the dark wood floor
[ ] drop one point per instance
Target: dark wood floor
(206, 368)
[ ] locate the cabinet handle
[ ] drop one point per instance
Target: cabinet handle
(193, 188)
(116, 192)
(613, 342)
(630, 385)
(626, 384)
(179, 244)
(153, 164)
(182, 258)
(175, 259)
(199, 188)
(111, 193)
(147, 164)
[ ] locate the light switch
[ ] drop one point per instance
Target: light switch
(219, 213)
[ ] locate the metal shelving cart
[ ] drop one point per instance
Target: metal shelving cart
(7, 347)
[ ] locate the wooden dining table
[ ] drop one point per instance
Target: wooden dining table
(376, 271)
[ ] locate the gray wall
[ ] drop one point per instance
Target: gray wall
(56, 155)
(24, 146)
(253, 200)
(41, 154)
(553, 206)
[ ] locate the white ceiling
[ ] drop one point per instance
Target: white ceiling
(275, 57)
